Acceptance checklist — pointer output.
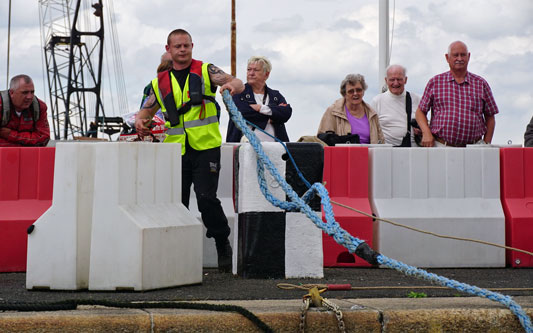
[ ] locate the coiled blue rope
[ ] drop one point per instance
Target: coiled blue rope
(341, 236)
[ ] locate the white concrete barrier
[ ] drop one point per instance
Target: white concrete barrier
(248, 195)
(449, 191)
(116, 221)
(142, 235)
(59, 245)
(303, 247)
(225, 195)
(273, 243)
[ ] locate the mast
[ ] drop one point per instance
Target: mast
(233, 40)
(383, 42)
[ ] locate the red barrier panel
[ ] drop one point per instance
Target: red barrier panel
(26, 188)
(346, 177)
(516, 165)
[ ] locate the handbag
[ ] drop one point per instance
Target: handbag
(330, 138)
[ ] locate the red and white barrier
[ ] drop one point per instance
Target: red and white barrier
(447, 191)
(517, 201)
(26, 185)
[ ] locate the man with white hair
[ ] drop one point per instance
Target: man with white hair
(395, 108)
(461, 102)
(23, 118)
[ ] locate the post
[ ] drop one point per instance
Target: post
(383, 41)
(233, 40)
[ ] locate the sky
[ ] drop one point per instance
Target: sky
(312, 45)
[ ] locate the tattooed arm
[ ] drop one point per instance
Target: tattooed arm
(225, 81)
(145, 115)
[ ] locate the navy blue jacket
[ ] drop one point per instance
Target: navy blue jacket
(280, 114)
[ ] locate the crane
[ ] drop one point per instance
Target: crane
(73, 56)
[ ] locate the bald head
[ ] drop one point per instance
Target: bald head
(457, 43)
(395, 69)
(458, 58)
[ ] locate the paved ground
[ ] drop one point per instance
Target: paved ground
(219, 286)
(383, 309)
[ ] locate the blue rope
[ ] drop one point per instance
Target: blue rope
(341, 236)
(286, 149)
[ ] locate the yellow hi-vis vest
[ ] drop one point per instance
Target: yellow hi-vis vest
(200, 123)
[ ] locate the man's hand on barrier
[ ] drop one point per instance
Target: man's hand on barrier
(142, 126)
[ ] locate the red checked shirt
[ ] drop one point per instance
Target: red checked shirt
(25, 131)
(458, 109)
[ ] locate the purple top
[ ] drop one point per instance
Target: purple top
(360, 126)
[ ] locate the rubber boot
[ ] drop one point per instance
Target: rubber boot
(224, 255)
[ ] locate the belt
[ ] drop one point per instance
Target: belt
(451, 144)
(447, 143)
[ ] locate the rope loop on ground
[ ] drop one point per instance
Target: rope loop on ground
(332, 228)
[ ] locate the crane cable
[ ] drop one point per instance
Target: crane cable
(8, 43)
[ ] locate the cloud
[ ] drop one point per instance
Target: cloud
(276, 25)
(483, 19)
(313, 45)
(346, 24)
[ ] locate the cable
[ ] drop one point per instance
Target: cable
(73, 304)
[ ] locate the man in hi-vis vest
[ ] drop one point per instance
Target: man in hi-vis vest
(186, 96)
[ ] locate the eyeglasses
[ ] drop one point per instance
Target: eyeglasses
(353, 91)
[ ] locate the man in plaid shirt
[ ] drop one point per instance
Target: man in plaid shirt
(461, 102)
(23, 118)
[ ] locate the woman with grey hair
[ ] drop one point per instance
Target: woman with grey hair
(351, 115)
(259, 104)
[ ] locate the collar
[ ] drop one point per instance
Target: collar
(248, 92)
(402, 95)
(449, 77)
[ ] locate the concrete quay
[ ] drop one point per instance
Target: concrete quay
(377, 302)
(446, 314)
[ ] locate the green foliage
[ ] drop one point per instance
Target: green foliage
(413, 294)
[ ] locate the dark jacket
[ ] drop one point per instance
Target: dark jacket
(280, 114)
(25, 130)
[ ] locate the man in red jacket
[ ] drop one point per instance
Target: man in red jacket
(23, 118)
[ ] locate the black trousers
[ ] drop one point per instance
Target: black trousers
(202, 169)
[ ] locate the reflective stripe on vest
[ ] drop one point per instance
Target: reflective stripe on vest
(175, 131)
(191, 124)
(203, 133)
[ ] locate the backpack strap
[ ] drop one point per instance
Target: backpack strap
(36, 110)
(6, 108)
(406, 140)
(6, 112)
(165, 86)
(408, 109)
